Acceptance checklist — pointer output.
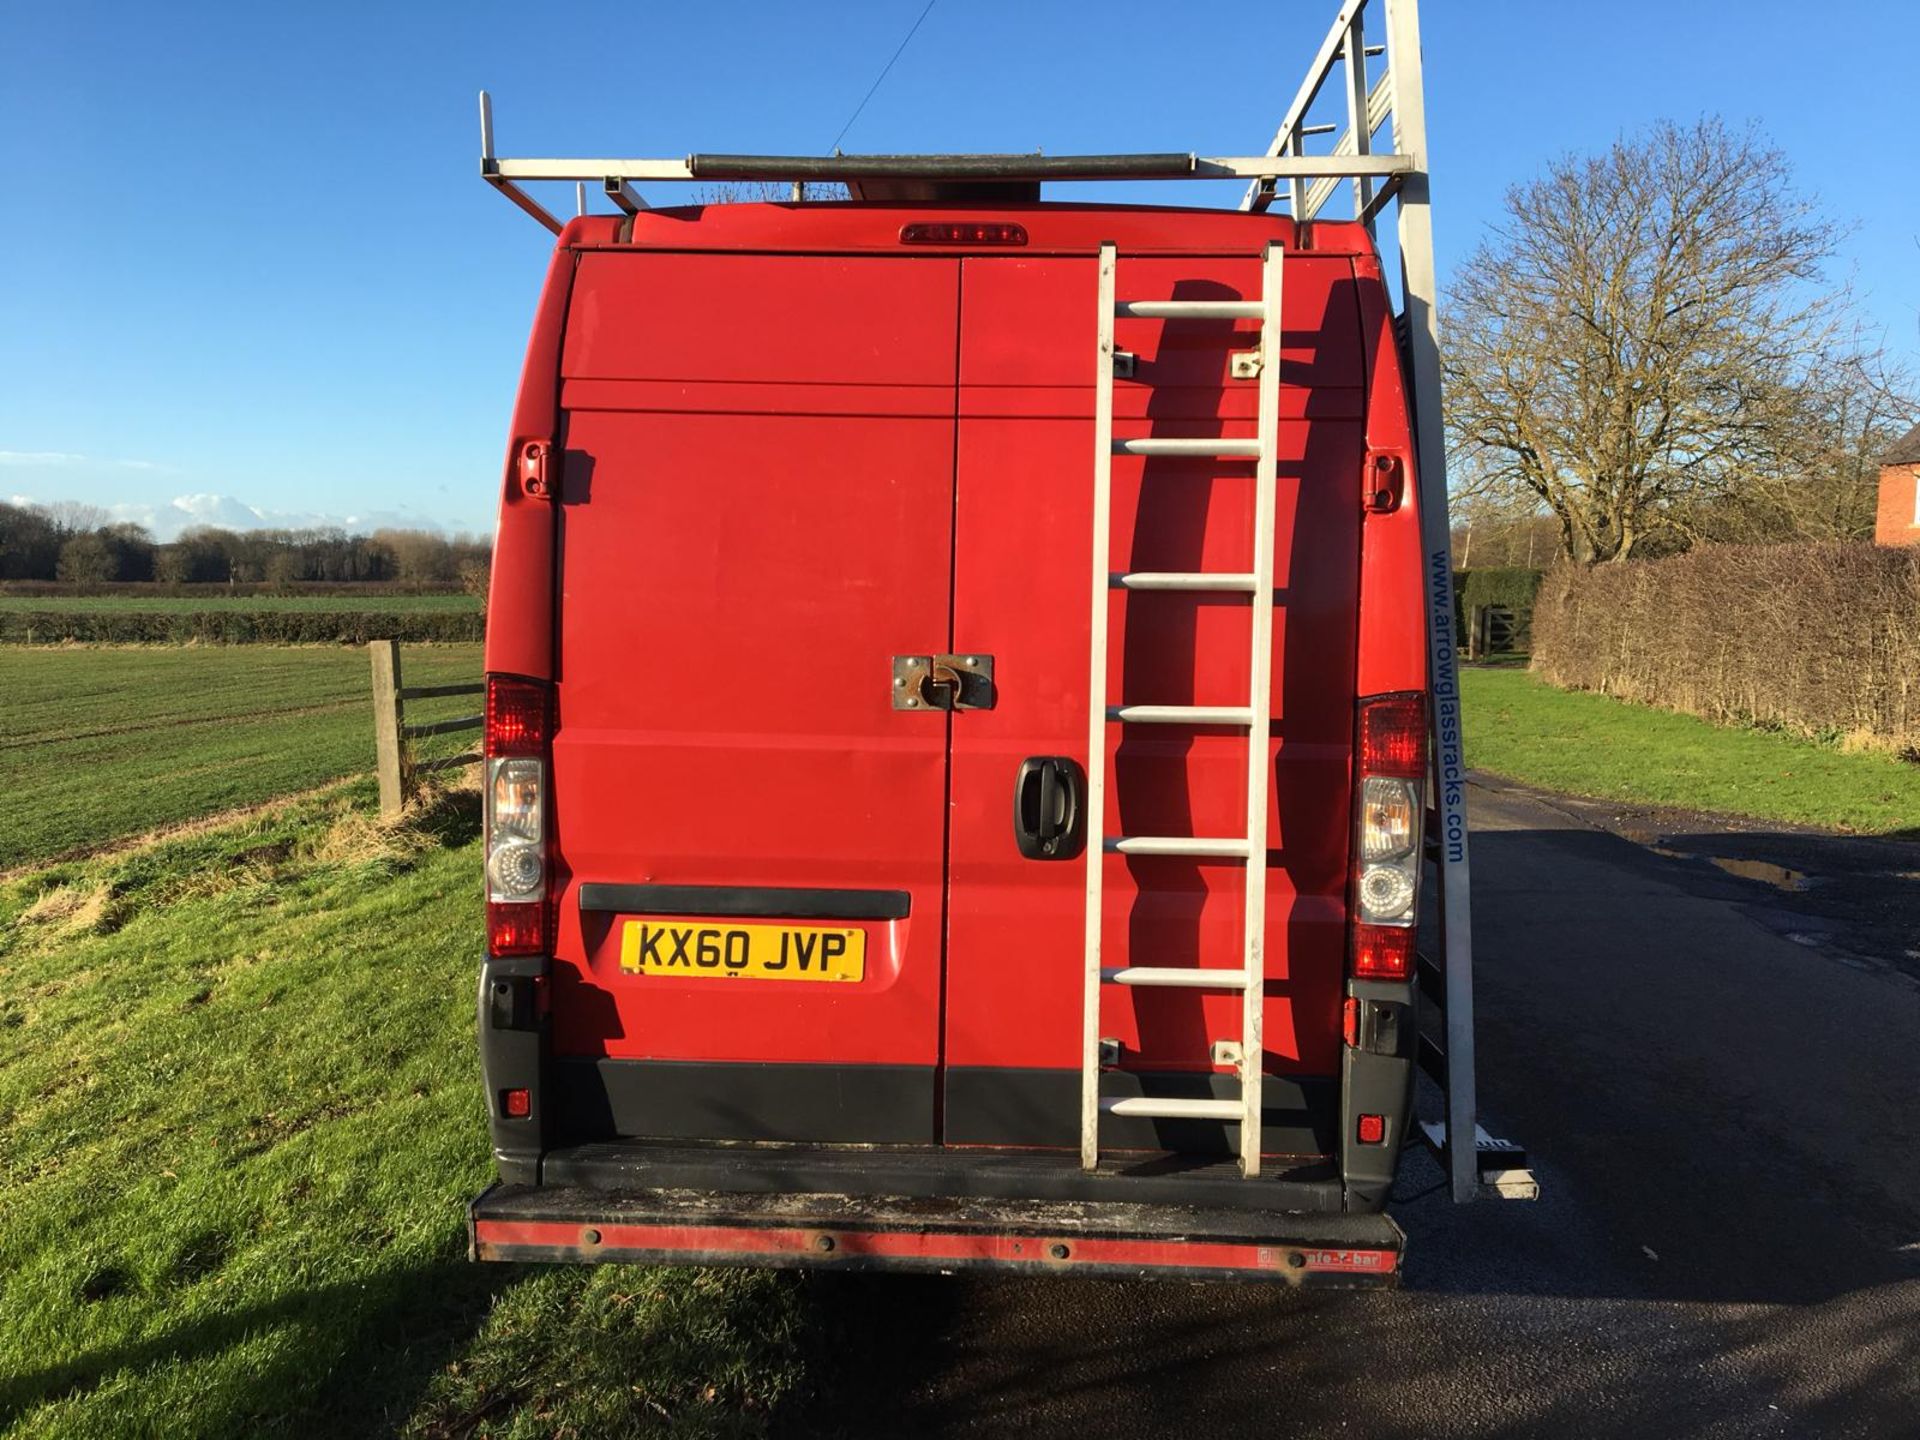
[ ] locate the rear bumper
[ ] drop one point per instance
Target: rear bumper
(933, 1208)
(948, 1233)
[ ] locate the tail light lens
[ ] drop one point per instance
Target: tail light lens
(517, 716)
(1389, 802)
(963, 232)
(517, 736)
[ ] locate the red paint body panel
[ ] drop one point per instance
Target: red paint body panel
(789, 450)
(1393, 641)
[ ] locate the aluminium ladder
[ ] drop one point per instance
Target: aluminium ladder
(1250, 849)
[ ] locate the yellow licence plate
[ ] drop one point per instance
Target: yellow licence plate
(754, 952)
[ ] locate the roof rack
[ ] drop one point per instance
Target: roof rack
(1309, 179)
(1284, 174)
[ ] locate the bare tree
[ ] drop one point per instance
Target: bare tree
(1646, 335)
(74, 517)
(1825, 480)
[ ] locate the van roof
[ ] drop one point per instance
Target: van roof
(1049, 227)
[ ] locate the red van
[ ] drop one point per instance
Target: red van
(787, 732)
(958, 775)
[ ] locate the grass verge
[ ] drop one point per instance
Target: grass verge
(100, 743)
(239, 1121)
(1586, 744)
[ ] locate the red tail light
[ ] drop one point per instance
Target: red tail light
(1393, 736)
(519, 730)
(518, 716)
(1382, 952)
(1389, 799)
(517, 928)
(517, 1104)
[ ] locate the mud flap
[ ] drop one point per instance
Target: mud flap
(1376, 1091)
(513, 1043)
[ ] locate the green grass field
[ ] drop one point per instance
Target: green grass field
(1593, 745)
(98, 743)
(239, 1122)
(399, 604)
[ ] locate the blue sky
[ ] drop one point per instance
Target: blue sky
(247, 267)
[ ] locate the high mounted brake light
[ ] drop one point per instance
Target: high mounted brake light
(963, 232)
(518, 730)
(1389, 802)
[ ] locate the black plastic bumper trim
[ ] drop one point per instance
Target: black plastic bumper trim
(702, 1100)
(783, 901)
(1029, 1106)
(936, 1173)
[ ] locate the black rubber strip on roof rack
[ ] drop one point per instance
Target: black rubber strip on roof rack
(1170, 166)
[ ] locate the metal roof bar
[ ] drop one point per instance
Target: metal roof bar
(488, 171)
(503, 173)
(624, 195)
(1286, 140)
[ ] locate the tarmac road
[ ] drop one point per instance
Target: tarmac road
(1718, 1080)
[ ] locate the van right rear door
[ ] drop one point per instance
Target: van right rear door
(1024, 481)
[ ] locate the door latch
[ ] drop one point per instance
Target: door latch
(943, 682)
(535, 463)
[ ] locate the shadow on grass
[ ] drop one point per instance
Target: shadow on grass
(366, 1351)
(448, 817)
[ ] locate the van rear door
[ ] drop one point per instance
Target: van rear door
(1024, 515)
(755, 516)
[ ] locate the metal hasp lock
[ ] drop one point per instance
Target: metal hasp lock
(943, 682)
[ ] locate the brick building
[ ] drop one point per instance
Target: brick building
(1896, 520)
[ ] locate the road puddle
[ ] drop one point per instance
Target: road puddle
(1766, 872)
(1778, 876)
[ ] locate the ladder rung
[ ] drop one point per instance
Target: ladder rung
(1176, 977)
(1181, 714)
(1174, 1109)
(1188, 309)
(1225, 849)
(1188, 445)
(1183, 580)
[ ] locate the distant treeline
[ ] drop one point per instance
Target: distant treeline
(81, 545)
(237, 627)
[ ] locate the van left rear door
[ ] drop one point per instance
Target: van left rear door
(756, 516)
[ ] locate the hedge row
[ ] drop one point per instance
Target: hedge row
(1513, 587)
(1820, 639)
(219, 589)
(235, 627)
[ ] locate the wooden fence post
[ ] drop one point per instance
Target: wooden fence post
(390, 758)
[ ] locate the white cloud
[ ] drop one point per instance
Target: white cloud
(64, 459)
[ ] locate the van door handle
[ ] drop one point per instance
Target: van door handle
(1049, 807)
